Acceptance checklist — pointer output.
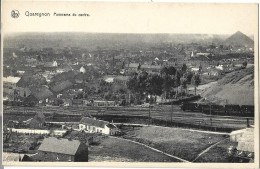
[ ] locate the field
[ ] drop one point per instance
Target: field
(217, 153)
(184, 144)
(120, 150)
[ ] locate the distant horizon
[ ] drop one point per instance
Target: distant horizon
(136, 33)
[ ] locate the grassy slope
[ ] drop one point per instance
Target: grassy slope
(237, 88)
(181, 143)
(118, 150)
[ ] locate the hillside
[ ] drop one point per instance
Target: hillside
(239, 39)
(91, 41)
(235, 88)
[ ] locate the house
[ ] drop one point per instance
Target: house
(215, 72)
(219, 67)
(120, 80)
(103, 103)
(81, 78)
(109, 79)
(51, 64)
(82, 69)
(37, 121)
(59, 149)
(235, 135)
(132, 67)
(245, 139)
(93, 125)
(62, 85)
(10, 82)
(42, 94)
(31, 62)
(30, 78)
(70, 75)
(195, 69)
(7, 156)
(67, 102)
(77, 102)
(9, 85)
(203, 54)
(151, 68)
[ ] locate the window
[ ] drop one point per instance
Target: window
(97, 130)
(69, 158)
(100, 131)
(57, 157)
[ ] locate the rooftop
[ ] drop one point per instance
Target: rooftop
(63, 146)
(133, 65)
(93, 122)
(246, 142)
(11, 79)
(145, 66)
(61, 86)
(41, 92)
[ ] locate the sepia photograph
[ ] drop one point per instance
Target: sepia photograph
(130, 84)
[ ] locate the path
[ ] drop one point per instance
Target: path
(207, 149)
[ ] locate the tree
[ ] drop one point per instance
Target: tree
(177, 82)
(138, 84)
(195, 81)
(188, 76)
(167, 74)
(244, 64)
(200, 68)
(167, 84)
(154, 86)
(184, 68)
(132, 83)
(183, 82)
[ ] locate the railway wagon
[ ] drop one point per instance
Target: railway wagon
(191, 107)
(228, 110)
(232, 110)
(213, 109)
(247, 110)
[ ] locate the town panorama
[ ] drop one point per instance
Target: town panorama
(94, 97)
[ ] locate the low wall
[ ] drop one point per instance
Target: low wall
(43, 132)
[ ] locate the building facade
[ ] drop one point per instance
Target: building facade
(93, 125)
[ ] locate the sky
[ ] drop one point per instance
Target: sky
(125, 17)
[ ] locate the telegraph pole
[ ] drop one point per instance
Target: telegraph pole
(210, 114)
(171, 112)
(150, 109)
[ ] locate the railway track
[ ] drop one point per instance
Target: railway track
(166, 113)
